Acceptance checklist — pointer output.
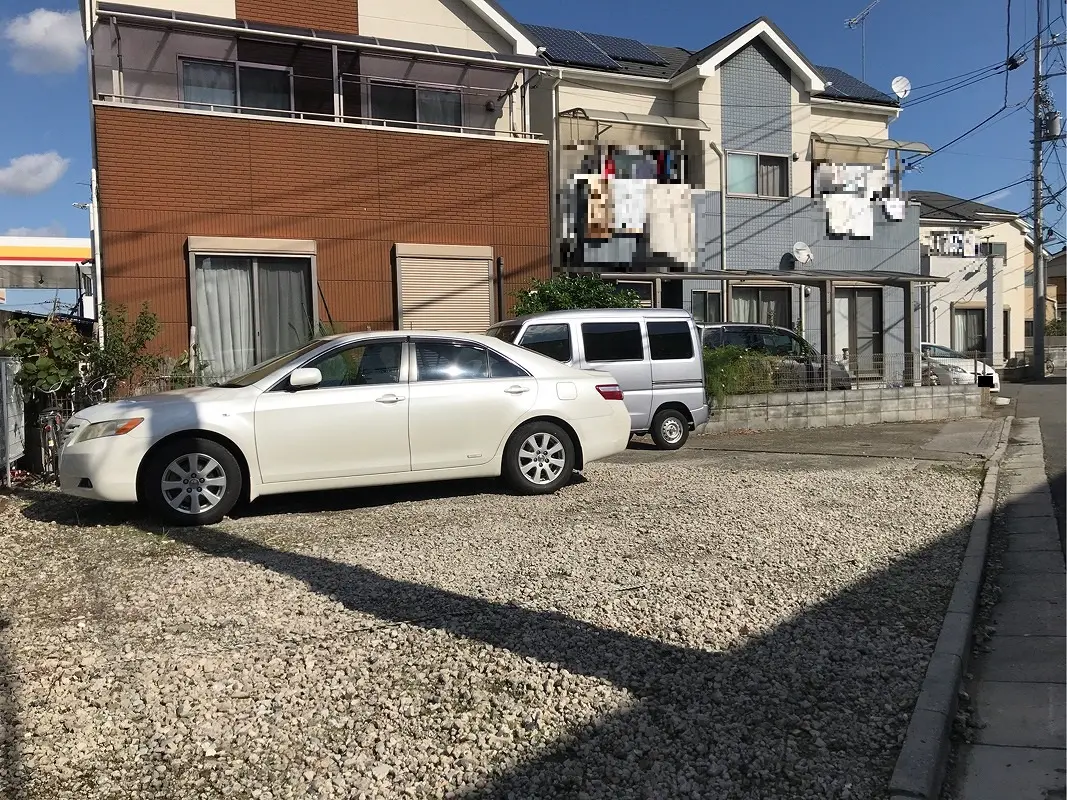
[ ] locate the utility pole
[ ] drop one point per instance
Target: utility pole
(1037, 367)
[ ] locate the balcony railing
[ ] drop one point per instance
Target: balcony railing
(194, 71)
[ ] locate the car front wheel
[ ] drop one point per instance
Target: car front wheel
(191, 482)
(538, 458)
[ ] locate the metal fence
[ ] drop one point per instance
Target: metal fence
(730, 372)
(13, 411)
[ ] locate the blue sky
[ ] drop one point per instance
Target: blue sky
(44, 143)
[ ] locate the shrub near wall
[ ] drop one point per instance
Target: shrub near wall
(734, 370)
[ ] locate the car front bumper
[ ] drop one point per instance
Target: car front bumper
(102, 469)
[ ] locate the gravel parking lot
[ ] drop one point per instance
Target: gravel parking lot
(696, 628)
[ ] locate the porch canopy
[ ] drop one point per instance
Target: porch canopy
(841, 149)
(627, 118)
(825, 279)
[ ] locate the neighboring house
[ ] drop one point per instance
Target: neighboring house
(691, 176)
(1056, 277)
(266, 169)
(958, 236)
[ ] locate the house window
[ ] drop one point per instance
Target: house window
(757, 175)
(1028, 328)
(229, 86)
(248, 309)
(440, 108)
(763, 306)
(968, 330)
(1007, 333)
(707, 306)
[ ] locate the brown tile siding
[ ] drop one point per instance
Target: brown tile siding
(166, 176)
(327, 15)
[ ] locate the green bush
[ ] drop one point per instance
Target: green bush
(51, 351)
(1055, 327)
(565, 292)
(735, 370)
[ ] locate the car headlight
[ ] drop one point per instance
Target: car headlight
(954, 368)
(113, 427)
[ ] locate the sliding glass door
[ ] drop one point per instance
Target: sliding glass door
(250, 308)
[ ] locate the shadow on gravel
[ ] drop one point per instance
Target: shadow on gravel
(805, 705)
(44, 504)
(815, 707)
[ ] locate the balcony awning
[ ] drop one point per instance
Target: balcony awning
(840, 149)
(626, 118)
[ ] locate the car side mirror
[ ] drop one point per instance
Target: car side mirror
(305, 378)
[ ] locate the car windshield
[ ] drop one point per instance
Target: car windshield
(265, 368)
(943, 352)
(506, 333)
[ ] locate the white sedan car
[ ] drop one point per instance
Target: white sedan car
(946, 366)
(352, 410)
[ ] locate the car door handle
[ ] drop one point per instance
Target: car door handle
(389, 398)
(517, 389)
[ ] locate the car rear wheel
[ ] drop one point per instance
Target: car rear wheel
(538, 458)
(191, 482)
(670, 429)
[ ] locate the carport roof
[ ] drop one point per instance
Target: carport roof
(786, 276)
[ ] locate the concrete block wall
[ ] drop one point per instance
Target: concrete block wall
(796, 410)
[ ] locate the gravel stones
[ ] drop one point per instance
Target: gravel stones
(670, 630)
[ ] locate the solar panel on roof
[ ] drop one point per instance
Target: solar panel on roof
(625, 49)
(570, 47)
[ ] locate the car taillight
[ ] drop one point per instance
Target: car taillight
(610, 391)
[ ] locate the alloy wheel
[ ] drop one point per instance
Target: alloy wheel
(542, 458)
(193, 483)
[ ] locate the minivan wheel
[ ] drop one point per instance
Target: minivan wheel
(191, 482)
(538, 458)
(670, 429)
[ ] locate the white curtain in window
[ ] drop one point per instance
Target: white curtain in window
(968, 330)
(224, 321)
(744, 305)
(774, 307)
(772, 177)
(213, 84)
(285, 312)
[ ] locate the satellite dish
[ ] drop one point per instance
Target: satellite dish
(802, 253)
(901, 86)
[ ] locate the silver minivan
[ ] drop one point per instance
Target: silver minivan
(654, 354)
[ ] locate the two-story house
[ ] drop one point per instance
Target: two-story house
(264, 169)
(741, 181)
(958, 237)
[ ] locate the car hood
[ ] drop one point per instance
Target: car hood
(175, 402)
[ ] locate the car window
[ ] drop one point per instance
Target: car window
(450, 361)
(713, 338)
(669, 340)
(801, 347)
(737, 337)
(612, 341)
(780, 343)
(553, 341)
(506, 333)
(500, 367)
(360, 365)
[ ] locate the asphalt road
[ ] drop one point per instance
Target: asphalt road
(1047, 400)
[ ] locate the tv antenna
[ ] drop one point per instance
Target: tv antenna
(802, 253)
(858, 22)
(901, 86)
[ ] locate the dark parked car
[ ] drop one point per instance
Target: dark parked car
(801, 367)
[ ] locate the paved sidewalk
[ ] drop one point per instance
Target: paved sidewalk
(1018, 693)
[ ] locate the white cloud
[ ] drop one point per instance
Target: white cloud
(55, 229)
(995, 196)
(45, 41)
(33, 173)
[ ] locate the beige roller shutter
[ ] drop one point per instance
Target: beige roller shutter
(445, 293)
